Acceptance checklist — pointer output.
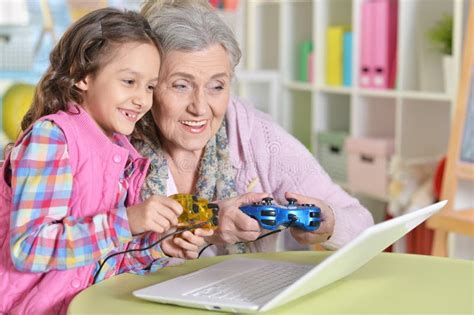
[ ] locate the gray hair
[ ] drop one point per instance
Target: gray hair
(189, 25)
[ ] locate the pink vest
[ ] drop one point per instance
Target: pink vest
(96, 164)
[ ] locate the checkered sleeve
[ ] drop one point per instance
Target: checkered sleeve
(142, 261)
(44, 236)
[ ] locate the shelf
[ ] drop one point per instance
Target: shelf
(421, 66)
(416, 113)
(429, 96)
(336, 89)
(409, 95)
(264, 2)
(421, 160)
(262, 43)
(296, 37)
(300, 86)
(378, 93)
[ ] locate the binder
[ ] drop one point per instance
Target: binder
(393, 45)
(385, 39)
(347, 59)
(311, 60)
(334, 38)
(305, 49)
(367, 44)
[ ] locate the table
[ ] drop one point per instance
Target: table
(390, 283)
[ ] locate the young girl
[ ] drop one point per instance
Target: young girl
(66, 189)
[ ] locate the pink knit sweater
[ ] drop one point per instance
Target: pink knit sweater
(265, 155)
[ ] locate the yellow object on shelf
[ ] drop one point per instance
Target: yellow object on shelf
(334, 53)
(16, 102)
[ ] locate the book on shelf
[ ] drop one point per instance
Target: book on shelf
(347, 59)
(305, 50)
(378, 44)
(334, 54)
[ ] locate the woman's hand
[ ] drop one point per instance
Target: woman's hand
(234, 225)
(186, 245)
(157, 214)
(326, 228)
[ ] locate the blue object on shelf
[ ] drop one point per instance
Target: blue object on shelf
(347, 59)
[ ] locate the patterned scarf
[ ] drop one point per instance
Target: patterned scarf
(215, 179)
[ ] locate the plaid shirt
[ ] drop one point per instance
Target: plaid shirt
(43, 236)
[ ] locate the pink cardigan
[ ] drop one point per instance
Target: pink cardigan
(265, 154)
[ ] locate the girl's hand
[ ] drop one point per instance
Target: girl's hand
(185, 245)
(326, 228)
(157, 214)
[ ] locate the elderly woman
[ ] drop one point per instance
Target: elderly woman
(204, 142)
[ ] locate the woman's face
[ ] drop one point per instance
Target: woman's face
(191, 98)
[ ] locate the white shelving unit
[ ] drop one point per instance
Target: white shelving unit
(416, 113)
(260, 86)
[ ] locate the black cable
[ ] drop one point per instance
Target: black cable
(178, 232)
(203, 249)
(258, 238)
(145, 248)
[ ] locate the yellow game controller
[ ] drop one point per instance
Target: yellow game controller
(196, 211)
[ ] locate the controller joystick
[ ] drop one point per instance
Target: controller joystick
(291, 201)
(267, 201)
(271, 216)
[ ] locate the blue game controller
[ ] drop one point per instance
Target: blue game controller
(271, 216)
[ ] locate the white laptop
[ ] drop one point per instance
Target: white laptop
(247, 285)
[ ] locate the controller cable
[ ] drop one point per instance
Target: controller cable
(146, 248)
(101, 265)
(258, 238)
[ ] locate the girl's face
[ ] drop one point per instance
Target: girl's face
(192, 97)
(121, 92)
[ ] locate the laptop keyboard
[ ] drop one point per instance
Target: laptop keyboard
(253, 284)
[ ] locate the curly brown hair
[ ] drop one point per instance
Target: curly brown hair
(84, 49)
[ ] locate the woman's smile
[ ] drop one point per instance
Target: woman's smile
(194, 126)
